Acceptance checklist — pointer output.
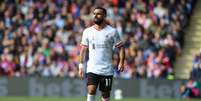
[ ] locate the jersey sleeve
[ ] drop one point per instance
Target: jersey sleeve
(117, 41)
(84, 41)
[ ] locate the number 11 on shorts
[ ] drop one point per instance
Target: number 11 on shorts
(107, 82)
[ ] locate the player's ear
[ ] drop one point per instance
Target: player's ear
(108, 22)
(105, 15)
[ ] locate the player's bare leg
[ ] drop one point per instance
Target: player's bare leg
(91, 92)
(105, 96)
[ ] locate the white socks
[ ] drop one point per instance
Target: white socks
(91, 97)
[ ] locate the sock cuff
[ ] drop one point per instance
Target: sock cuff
(106, 99)
(90, 95)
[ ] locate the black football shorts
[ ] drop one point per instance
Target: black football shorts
(103, 82)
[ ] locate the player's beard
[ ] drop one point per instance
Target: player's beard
(98, 21)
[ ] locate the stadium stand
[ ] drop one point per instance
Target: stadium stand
(41, 38)
(192, 45)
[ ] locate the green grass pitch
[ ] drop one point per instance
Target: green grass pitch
(8, 98)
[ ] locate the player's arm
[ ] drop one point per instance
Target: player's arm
(82, 53)
(81, 60)
(121, 58)
(118, 43)
(83, 50)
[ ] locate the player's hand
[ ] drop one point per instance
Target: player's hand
(81, 73)
(121, 67)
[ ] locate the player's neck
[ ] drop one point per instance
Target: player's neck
(100, 27)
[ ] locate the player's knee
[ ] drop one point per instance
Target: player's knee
(105, 94)
(92, 91)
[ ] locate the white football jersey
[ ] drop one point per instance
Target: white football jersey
(100, 44)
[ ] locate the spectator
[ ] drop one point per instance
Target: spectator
(196, 68)
(190, 89)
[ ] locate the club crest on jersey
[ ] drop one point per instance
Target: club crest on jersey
(107, 36)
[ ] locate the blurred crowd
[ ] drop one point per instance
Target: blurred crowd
(196, 66)
(42, 37)
(191, 89)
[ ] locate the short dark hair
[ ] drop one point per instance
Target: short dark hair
(103, 9)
